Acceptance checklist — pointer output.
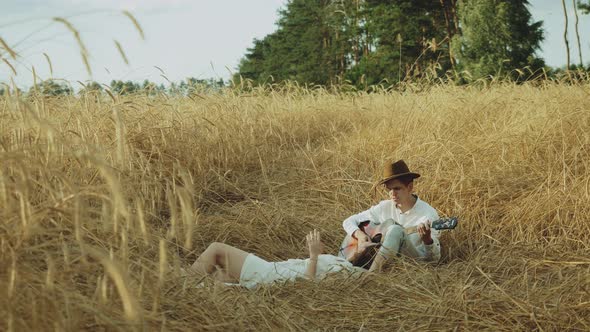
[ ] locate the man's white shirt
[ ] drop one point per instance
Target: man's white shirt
(381, 214)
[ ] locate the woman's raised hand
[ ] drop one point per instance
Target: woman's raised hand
(314, 243)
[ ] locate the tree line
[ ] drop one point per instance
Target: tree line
(367, 42)
(187, 87)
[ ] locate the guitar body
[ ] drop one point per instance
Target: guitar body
(349, 247)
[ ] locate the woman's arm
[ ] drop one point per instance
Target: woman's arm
(315, 247)
(312, 267)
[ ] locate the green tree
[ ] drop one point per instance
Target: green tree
(322, 42)
(254, 64)
(149, 88)
(52, 88)
(196, 85)
(124, 88)
(584, 6)
(309, 46)
(498, 36)
(404, 38)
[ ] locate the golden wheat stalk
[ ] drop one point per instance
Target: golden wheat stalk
(163, 266)
(50, 276)
(34, 80)
(121, 52)
(83, 51)
(117, 273)
(10, 66)
(12, 278)
(142, 223)
(10, 51)
(49, 63)
(258, 169)
(135, 23)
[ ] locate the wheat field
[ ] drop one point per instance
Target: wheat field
(104, 199)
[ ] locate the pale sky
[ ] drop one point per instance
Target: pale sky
(185, 38)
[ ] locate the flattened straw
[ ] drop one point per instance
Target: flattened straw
(501, 290)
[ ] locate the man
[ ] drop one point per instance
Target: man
(393, 216)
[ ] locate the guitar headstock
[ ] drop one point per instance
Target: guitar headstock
(445, 223)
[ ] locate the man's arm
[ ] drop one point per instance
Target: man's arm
(432, 251)
(351, 224)
(430, 239)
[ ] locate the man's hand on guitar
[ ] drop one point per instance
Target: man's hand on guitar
(424, 232)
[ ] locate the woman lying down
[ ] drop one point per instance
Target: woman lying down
(234, 266)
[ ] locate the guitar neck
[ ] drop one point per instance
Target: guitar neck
(411, 230)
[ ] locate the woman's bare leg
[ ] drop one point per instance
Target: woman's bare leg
(222, 261)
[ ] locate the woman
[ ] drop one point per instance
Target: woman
(232, 265)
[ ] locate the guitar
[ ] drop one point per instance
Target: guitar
(349, 247)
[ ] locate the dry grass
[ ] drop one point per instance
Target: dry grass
(103, 200)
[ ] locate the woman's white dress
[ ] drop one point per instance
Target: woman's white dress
(256, 270)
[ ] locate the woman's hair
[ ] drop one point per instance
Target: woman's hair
(365, 258)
